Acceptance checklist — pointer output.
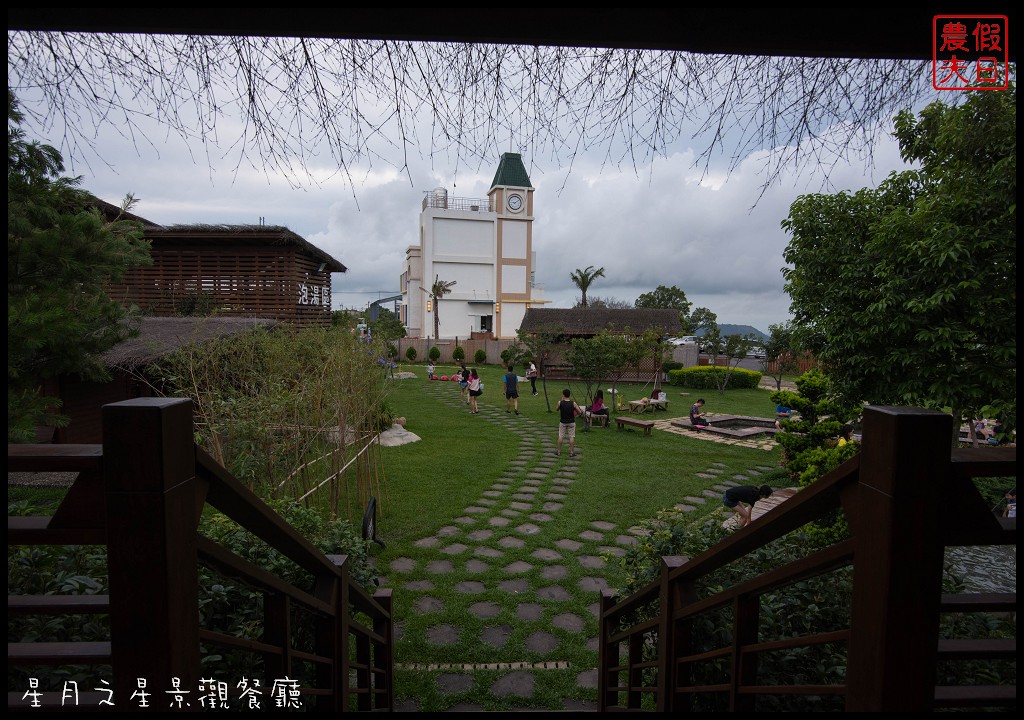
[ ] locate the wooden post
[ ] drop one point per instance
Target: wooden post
(897, 579)
(671, 636)
(384, 657)
(153, 513)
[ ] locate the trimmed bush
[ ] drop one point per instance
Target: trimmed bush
(434, 353)
(671, 365)
(459, 353)
(480, 356)
(703, 377)
(410, 354)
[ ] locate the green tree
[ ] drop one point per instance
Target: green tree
(908, 292)
(671, 298)
(594, 359)
(781, 349)
(733, 347)
(540, 345)
(700, 319)
(438, 290)
(387, 326)
(583, 279)
(61, 253)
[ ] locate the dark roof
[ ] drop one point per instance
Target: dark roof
(590, 321)
(111, 212)
(241, 234)
(159, 336)
(511, 171)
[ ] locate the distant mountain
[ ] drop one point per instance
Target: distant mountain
(725, 330)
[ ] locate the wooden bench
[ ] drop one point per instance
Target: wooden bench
(599, 420)
(622, 420)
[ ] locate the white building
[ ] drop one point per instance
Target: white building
(484, 245)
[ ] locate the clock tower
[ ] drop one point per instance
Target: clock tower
(511, 196)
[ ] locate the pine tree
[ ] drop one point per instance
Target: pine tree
(61, 252)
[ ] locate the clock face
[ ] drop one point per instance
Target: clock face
(515, 202)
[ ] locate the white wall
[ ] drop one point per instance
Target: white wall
(513, 240)
(513, 279)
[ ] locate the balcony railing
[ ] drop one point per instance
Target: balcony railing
(906, 498)
(442, 201)
(141, 495)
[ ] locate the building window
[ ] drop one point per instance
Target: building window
(486, 323)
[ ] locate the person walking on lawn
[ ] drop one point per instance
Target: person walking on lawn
(511, 390)
(567, 412)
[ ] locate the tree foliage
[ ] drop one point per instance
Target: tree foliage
(540, 345)
(438, 290)
(61, 253)
(671, 298)
(908, 292)
(782, 350)
(387, 326)
(297, 101)
(583, 279)
(700, 319)
(594, 359)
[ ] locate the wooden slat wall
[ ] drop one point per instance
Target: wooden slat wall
(243, 281)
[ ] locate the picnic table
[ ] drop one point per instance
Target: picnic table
(647, 405)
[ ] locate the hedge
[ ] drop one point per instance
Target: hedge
(703, 377)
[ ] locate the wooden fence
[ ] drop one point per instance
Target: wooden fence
(141, 495)
(906, 499)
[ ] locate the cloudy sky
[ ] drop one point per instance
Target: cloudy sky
(714, 235)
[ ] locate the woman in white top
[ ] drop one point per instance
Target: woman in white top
(474, 392)
(531, 374)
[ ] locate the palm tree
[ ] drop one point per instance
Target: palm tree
(583, 279)
(439, 289)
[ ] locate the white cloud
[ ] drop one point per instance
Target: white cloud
(715, 235)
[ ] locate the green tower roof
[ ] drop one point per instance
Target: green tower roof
(511, 171)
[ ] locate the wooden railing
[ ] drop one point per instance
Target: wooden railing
(141, 494)
(906, 498)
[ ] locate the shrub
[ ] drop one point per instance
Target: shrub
(505, 356)
(392, 351)
(480, 356)
(703, 377)
(671, 365)
(410, 354)
(434, 353)
(459, 353)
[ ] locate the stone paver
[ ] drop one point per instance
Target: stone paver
(512, 515)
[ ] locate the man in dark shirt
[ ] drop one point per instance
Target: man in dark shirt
(567, 412)
(511, 390)
(740, 497)
(697, 418)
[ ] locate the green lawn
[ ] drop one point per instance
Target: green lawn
(623, 478)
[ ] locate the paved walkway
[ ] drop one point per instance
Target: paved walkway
(512, 514)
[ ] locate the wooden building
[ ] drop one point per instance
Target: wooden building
(252, 271)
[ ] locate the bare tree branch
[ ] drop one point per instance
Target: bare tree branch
(287, 106)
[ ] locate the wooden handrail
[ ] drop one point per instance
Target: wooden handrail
(901, 498)
(156, 482)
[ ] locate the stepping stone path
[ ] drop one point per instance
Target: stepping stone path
(532, 614)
